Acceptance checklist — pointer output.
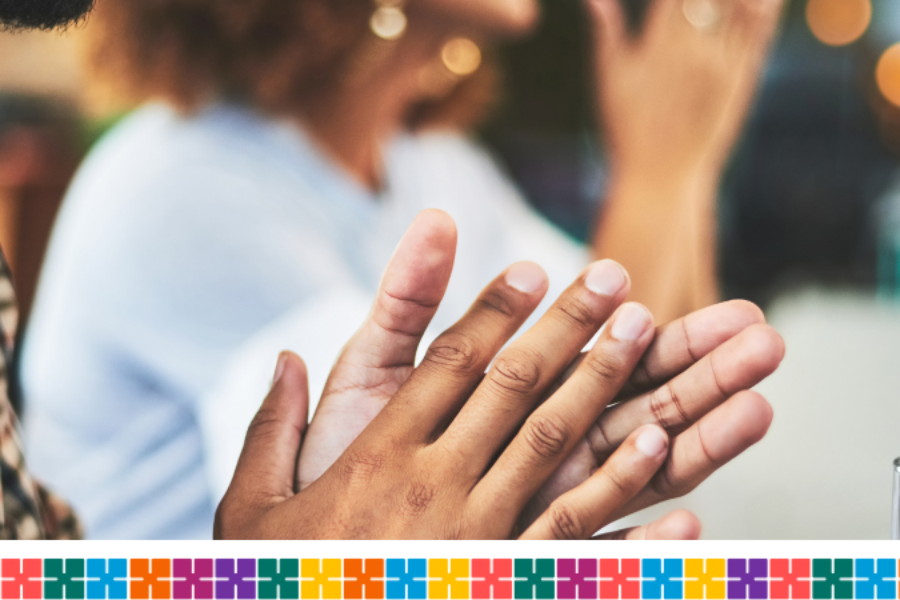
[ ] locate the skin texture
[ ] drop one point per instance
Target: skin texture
(467, 461)
(693, 381)
(42, 14)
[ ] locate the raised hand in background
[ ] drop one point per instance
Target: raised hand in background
(672, 98)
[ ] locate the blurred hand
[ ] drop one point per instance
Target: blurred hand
(437, 461)
(674, 97)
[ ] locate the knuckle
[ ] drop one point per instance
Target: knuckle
(565, 524)
(516, 372)
(265, 425)
(667, 409)
(603, 368)
(419, 497)
(547, 437)
(454, 530)
(497, 301)
(620, 482)
(361, 467)
(454, 351)
(641, 376)
(400, 315)
(576, 312)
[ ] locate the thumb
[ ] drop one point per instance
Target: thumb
(382, 355)
(265, 470)
(411, 290)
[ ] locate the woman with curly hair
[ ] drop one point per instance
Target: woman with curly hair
(282, 148)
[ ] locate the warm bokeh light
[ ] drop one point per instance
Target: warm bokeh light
(838, 22)
(388, 23)
(888, 74)
(461, 56)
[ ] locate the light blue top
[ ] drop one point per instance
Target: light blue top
(181, 240)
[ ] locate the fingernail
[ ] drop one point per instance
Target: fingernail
(606, 278)
(526, 277)
(652, 442)
(631, 323)
(279, 368)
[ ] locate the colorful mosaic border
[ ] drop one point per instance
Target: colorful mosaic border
(447, 579)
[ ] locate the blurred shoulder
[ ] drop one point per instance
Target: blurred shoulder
(158, 167)
(454, 170)
(453, 149)
(187, 199)
(156, 145)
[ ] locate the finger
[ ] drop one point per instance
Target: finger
(531, 364)
(456, 362)
(677, 345)
(581, 512)
(265, 470)
(664, 18)
(381, 355)
(556, 427)
(411, 290)
(738, 364)
(747, 39)
(678, 525)
(680, 344)
(752, 25)
(610, 25)
(708, 445)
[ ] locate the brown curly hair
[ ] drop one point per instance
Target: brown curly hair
(270, 54)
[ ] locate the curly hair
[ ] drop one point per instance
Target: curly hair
(269, 54)
(42, 14)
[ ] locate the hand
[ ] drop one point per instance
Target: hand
(437, 462)
(694, 382)
(672, 100)
(672, 97)
(676, 384)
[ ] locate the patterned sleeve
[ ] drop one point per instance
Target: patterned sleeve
(28, 511)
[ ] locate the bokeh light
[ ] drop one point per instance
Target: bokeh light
(888, 74)
(461, 56)
(388, 23)
(838, 22)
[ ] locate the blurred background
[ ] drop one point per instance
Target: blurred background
(809, 228)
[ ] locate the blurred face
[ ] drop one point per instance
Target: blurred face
(503, 18)
(41, 14)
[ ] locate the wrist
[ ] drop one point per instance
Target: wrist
(697, 185)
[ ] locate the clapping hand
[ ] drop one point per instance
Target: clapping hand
(446, 451)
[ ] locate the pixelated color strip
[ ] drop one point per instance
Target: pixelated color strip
(447, 579)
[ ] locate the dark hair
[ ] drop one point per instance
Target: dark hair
(269, 54)
(42, 14)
